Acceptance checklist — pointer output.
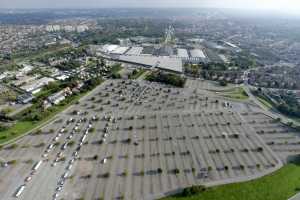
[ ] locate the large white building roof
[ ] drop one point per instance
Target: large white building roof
(182, 53)
(161, 62)
(197, 53)
(120, 50)
(109, 48)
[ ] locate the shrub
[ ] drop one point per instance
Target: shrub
(13, 146)
(142, 173)
(95, 157)
(223, 83)
(71, 143)
(105, 175)
(193, 190)
(12, 162)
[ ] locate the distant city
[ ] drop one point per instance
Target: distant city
(148, 104)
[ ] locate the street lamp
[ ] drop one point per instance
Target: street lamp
(3, 162)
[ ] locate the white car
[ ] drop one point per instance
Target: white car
(55, 195)
(28, 179)
(104, 161)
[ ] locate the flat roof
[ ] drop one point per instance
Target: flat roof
(161, 62)
(120, 50)
(182, 53)
(197, 53)
(109, 47)
(135, 51)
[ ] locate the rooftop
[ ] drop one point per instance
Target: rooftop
(161, 62)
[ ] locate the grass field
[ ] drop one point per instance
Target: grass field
(235, 93)
(280, 185)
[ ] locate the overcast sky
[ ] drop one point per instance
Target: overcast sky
(275, 5)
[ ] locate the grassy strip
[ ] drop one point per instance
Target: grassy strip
(264, 102)
(138, 74)
(23, 127)
(278, 186)
(236, 93)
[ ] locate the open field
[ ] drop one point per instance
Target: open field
(139, 140)
(279, 186)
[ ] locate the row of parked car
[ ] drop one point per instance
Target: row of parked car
(75, 155)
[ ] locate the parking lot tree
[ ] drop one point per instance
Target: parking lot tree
(159, 170)
(13, 146)
(259, 149)
(209, 168)
(56, 143)
(42, 144)
(258, 166)
(226, 168)
(12, 162)
(29, 161)
(193, 170)
(242, 167)
(125, 173)
(142, 173)
(176, 171)
(71, 143)
(95, 157)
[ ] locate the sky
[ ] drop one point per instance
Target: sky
(292, 6)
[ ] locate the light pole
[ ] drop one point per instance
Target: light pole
(3, 162)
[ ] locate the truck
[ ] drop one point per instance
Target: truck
(19, 191)
(65, 175)
(37, 165)
(83, 138)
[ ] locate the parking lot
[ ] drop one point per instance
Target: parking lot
(137, 140)
(282, 139)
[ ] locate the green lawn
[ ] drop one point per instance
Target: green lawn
(235, 93)
(278, 186)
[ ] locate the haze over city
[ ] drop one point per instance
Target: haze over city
(274, 5)
(149, 100)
